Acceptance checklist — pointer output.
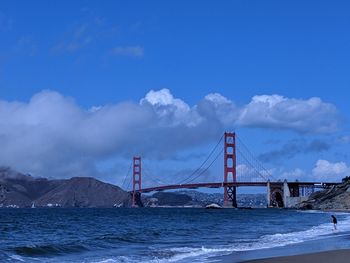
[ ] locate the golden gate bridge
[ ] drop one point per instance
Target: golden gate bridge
(249, 173)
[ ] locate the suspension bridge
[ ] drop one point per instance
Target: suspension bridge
(248, 173)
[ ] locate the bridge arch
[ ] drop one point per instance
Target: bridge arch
(277, 198)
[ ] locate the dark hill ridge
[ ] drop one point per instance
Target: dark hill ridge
(84, 192)
(18, 190)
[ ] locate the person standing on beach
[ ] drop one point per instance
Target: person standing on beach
(334, 220)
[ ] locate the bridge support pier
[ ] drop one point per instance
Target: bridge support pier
(268, 196)
(231, 193)
(286, 193)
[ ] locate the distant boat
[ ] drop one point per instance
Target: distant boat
(33, 205)
(213, 206)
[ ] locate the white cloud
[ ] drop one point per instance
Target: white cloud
(266, 111)
(219, 108)
(169, 110)
(325, 170)
(305, 116)
(217, 99)
(53, 136)
(247, 173)
(165, 104)
(128, 51)
(296, 174)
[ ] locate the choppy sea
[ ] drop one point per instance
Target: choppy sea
(164, 235)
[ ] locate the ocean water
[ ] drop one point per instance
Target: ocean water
(159, 235)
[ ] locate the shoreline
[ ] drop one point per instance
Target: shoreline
(336, 210)
(334, 256)
(323, 210)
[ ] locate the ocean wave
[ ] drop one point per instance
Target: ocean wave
(182, 254)
(16, 258)
(206, 254)
(283, 239)
(123, 238)
(114, 247)
(315, 232)
(323, 212)
(127, 238)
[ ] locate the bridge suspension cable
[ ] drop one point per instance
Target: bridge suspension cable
(189, 178)
(126, 176)
(148, 175)
(207, 168)
(249, 167)
(253, 162)
(127, 188)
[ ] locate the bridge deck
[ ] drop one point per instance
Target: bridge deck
(237, 184)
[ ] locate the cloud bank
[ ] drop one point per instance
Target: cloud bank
(331, 171)
(323, 171)
(274, 111)
(293, 148)
(51, 135)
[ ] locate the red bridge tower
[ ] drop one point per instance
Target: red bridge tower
(136, 180)
(230, 170)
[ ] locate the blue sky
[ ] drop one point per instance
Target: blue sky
(71, 66)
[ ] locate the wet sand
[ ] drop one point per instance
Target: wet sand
(334, 256)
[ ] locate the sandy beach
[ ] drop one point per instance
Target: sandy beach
(334, 256)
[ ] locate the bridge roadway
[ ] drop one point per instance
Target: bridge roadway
(237, 184)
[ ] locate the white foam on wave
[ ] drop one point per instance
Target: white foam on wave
(108, 260)
(203, 254)
(17, 258)
(182, 254)
(322, 212)
(284, 239)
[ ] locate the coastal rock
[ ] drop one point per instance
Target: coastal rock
(335, 198)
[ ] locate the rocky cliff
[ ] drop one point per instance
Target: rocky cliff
(337, 197)
(18, 190)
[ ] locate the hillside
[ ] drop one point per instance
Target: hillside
(199, 199)
(18, 190)
(335, 198)
(172, 199)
